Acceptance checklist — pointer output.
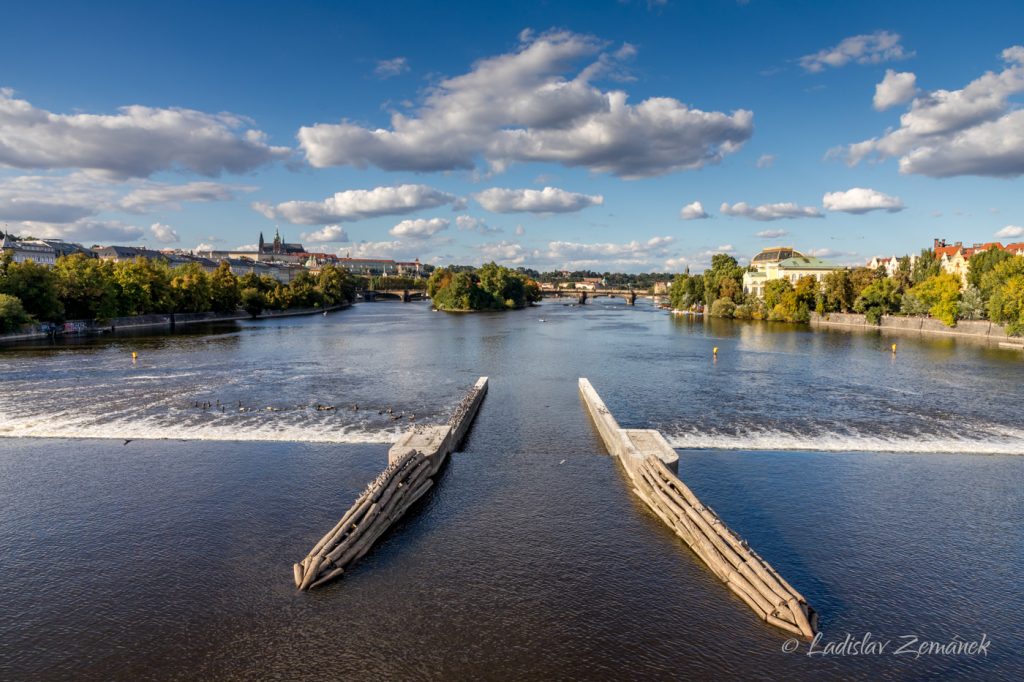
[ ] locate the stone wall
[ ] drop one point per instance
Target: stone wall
(977, 329)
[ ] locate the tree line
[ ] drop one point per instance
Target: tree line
(490, 287)
(994, 290)
(83, 288)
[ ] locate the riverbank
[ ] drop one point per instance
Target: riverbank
(169, 321)
(978, 330)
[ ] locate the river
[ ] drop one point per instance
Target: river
(150, 510)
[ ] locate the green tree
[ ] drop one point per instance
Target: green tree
(190, 286)
(723, 267)
(335, 285)
(35, 286)
(252, 300)
(1006, 305)
(143, 287)
(877, 299)
(303, 292)
(86, 286)
(224, 290)
(972, 305)
(12, 313)
(903, 276)
(860, 279)
(926, 265)
(941, 293)
(837, 292)
(774, 290)
(983, 263)
(722, 307)
(807, 290)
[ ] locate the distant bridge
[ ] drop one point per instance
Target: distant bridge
(403, 295)
(581, 295)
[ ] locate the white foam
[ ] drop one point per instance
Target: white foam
(995, 441)
(61, 426)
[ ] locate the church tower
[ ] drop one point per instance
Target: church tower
(277, 241)
(260, 249)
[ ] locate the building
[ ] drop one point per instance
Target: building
(122, 253)
(23, 250)
(374, 267)
(63, 248)
(279, 250)
(783, 262)
(955, 259)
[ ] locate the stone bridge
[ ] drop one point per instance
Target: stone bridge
(403, 295)
(581, 295)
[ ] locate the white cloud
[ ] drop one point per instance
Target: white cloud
(357, 204)
(247, 247)
(547, 200)
(632, 256)
(859, 200)
(520, 230)
(164, 234)
(153, 195)
(468, 223)
(136, 142)
(694, 211)
(521, 106)
(388, 68)
(766, 161)
(204, 247)
(53, 199)
(87, 230)
(771, 234)
(1011, 231)
(421, 228)
(329, 233)
(872, 48)
(770, 211)
(895, 88)
(972, 131)
(725, 248)
(395, 250)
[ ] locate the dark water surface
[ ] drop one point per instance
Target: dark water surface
(888, 490)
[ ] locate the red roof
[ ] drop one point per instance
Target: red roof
(948, 251)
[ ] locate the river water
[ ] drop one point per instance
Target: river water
(150, 511)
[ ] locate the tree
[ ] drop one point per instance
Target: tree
(926, 265)
(774, 290)
(35, 286)
(861, 278)
(983, 263)
(972, 305)
(941, 293)
(723, 267)
(303, 292)
(143, 287)
(877, 299)
(87, 287)
(1006, 306)
(224, 291)
(807, 290)
(252, 300)
(837, 292)
(722, 307)
(12, 313)
(903, 275)
(190, 286)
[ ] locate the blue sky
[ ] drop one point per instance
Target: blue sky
(543, 134)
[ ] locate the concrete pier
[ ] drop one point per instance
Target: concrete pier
(412, 464)
(652, 466)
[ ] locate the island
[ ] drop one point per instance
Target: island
(489, 287)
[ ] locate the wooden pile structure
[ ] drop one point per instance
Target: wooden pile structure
(412, 464)
(649, 460)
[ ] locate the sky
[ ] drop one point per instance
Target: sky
(604, 135)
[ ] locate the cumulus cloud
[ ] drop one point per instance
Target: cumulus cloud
(766, 161)
(357, 204)
(1011, 231)
(329, 233)
(136, 142)
(87, 230)
(971, 131)
(394, 250)
(870, 48)
(629, 256)
(421, 228)
(771, 234)
(470, 224)
(388, 68)
(770, 211)
(151, 195)
(547, 200)
(859, 200)
(536, 104)
(895, 88)
(52, 199)
(164, 234)
(694, 211)
(520, 230)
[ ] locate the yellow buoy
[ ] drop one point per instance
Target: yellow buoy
(714, 351)
(894, 348)
(135, 356)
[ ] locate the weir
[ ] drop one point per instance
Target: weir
(652, 466)
(412, 464)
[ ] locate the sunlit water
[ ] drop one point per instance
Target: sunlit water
(887, 489)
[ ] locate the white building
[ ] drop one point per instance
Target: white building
(21, 251)
(783, 262)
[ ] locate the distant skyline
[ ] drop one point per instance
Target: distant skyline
(622, 136)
